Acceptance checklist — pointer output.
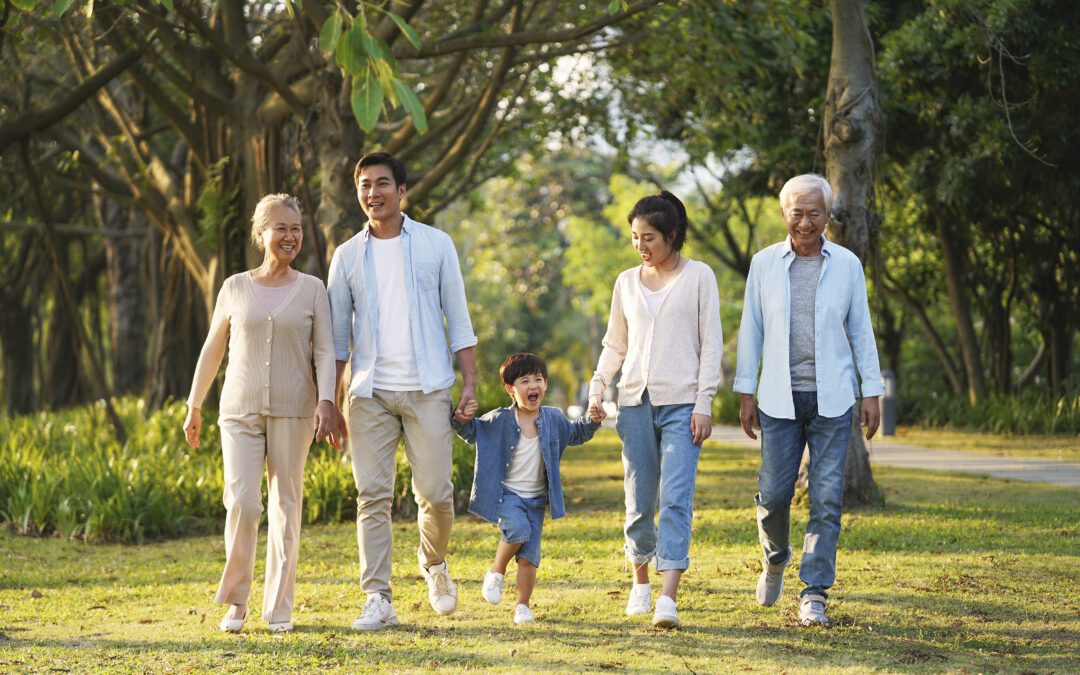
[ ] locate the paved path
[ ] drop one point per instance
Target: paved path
(914, 457)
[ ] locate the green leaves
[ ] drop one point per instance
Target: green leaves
(413, 105)
(369, 64)
(406, 30)
(366, 99)
(330, 33)
(616, 6)
(63, 6)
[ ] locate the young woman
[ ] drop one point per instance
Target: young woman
(664, 334)
(276, 323)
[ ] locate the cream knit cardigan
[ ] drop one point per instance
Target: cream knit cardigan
(676, 355)
(271, 354)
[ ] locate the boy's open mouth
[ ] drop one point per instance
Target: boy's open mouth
(533, 398)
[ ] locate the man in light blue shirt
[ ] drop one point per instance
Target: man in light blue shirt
(397, 304)
(806, 322)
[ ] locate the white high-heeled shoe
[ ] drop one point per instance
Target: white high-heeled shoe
(233, 625)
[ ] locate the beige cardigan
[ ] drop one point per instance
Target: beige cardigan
(270, 354)
(677, 354)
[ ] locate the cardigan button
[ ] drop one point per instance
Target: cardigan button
(268, 340)
(269, 318)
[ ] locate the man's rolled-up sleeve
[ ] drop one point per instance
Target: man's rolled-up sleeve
(751, 334)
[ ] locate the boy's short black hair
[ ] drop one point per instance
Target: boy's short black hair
(520, 365)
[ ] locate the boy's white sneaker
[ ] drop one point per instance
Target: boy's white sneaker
(522, 614)
(640, 601)
(665, 615)
(378, 614)
(493, 587)
(442, 594)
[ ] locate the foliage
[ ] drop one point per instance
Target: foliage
(63, 473)
(1031, 412)
(959, 572)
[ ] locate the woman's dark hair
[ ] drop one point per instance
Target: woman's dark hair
(664, 213)
(383, 158)
(520, 365)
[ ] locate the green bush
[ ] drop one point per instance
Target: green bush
(63, 473)
(1028, 412)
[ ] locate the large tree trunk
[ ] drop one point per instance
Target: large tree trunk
(965, 325)
(853, 123)
(124, 247)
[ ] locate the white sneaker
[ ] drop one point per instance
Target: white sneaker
(640, 601)
(493, 587)
(378, 614)
(281, 627)
(665, 615)
(812, 611)
(770, 583)
(522, 614)
(441, 592)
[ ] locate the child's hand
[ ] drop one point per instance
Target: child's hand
(468, 414)
(596, 410)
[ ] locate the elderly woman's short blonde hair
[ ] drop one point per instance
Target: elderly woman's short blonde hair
(260, 220)
(801, 184)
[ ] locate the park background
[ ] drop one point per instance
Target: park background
(137, 136)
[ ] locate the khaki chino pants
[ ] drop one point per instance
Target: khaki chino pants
(282, 443)
(375, 426)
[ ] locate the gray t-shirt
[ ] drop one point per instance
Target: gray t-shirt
(803, 278)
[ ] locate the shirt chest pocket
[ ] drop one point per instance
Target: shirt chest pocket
(427, 275)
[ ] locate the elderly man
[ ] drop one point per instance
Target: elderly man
(806, 322)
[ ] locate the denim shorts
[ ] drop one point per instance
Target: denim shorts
(521, 519)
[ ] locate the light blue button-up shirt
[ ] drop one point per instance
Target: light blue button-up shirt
(841, 330)
(438, 314)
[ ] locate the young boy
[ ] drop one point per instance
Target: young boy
(517, 471)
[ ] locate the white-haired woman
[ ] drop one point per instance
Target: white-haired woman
(276, 323)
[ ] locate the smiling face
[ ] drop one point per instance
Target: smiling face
(283, 235)
(806, 218)
(655, 250)
(379, 196)
(528, 391)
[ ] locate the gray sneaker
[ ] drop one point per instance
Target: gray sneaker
(812, 611)
(771, 582)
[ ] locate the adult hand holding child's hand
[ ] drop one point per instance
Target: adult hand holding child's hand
(465, 416)
(596, 410)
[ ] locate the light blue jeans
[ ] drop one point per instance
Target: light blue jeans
(782, 443)
(660, 464)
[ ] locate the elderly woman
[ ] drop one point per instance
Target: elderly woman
(664, 334)
(806, 324)
(276, 322)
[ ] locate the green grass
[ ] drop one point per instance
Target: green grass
(956, 572)
(1057, 448)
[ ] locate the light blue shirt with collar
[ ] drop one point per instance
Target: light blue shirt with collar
(842, 331)
(438, 313)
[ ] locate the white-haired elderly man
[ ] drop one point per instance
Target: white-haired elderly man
(806, 324)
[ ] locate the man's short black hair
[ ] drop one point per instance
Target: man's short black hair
(520, 365)
(385, 158)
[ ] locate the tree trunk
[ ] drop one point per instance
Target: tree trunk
(127, 318)
(965, 325)
(853, 123)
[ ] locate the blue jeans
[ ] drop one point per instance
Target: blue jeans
(521, 521)
(782, 443)
(659, 461)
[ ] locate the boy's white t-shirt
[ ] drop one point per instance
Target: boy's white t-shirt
(526, 476)
(395, 358)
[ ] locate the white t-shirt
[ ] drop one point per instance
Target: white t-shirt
(654, 298)
(526, 476)
(395, 360)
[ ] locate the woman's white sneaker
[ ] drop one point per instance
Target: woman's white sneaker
(522, 614)
(640, 601)
(665, 615)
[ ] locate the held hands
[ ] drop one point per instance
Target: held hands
(700, 427)
(870, 415)
(465, 416)
(330, 425)
(192, 426)
(597, 414)
(468, 395)
(748, 415)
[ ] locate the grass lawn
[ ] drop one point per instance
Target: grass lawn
(956, 573)
(1057, 448)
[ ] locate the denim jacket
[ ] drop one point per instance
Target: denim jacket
(496, 435)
